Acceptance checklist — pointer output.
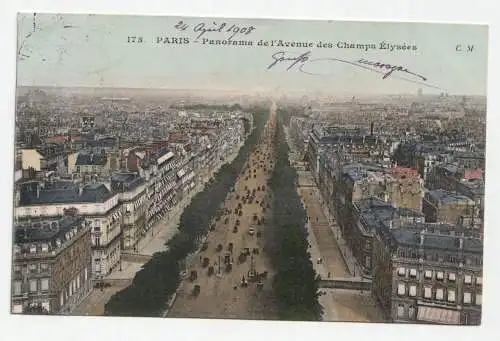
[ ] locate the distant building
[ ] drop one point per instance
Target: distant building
(446, 206)
(407, 188)
(87, 122)
(47, 158)
(51, 264)
(92, 163)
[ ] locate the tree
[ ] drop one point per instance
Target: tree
(295, 285)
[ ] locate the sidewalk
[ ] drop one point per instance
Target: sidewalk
(345, 251)
(354, 268)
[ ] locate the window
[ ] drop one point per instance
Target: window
(428, 274)
(17, 288)
(451, 277)
(401, 310)
(46, 306)
(33, 286)
(468, 279)
(439, 294)
(33, 267)
(413, 290)
(45, 247)
(427, 292)
(413, 272)
(17, 268)
(439, 275)
(401, 271)
(33, 249)
(45, 284)
(479, 280)
(467, 297)
(411, 312)
(479, 299)
(17, 309)
(451, 295)
(401, 289)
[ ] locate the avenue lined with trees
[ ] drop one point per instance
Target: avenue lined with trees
(157, 282)
(295, 285)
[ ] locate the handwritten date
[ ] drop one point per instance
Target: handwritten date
(222, 28)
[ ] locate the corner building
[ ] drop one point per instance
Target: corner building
(51, 265)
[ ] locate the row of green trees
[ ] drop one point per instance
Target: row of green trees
(295, 284)
(155, 284)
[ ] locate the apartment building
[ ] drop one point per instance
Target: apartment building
(51, 264)
(364, 222)
(91, 163)
(95, 202)
(447, 206)
(161, 177)
(428, 277)
(132, 195)
(49, 157)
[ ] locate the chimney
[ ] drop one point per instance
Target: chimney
(38, 190)
(80, 189)
(461, 243)
(422, 233)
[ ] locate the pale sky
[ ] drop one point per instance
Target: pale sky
(92, 50)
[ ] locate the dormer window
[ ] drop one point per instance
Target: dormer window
(32, 248)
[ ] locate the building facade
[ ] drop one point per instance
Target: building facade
(423, 277)
(95, 202)
(51, 264)
(132, 195)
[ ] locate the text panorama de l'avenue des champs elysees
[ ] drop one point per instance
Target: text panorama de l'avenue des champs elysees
(383, 45)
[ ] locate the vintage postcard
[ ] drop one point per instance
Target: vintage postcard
(184, 167)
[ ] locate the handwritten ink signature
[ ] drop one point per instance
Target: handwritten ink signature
(222, 27)
(304, 60)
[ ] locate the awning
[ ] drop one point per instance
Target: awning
(438, 315)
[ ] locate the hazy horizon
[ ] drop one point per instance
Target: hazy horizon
(241, 92)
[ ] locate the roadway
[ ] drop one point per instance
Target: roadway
(221, 294)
